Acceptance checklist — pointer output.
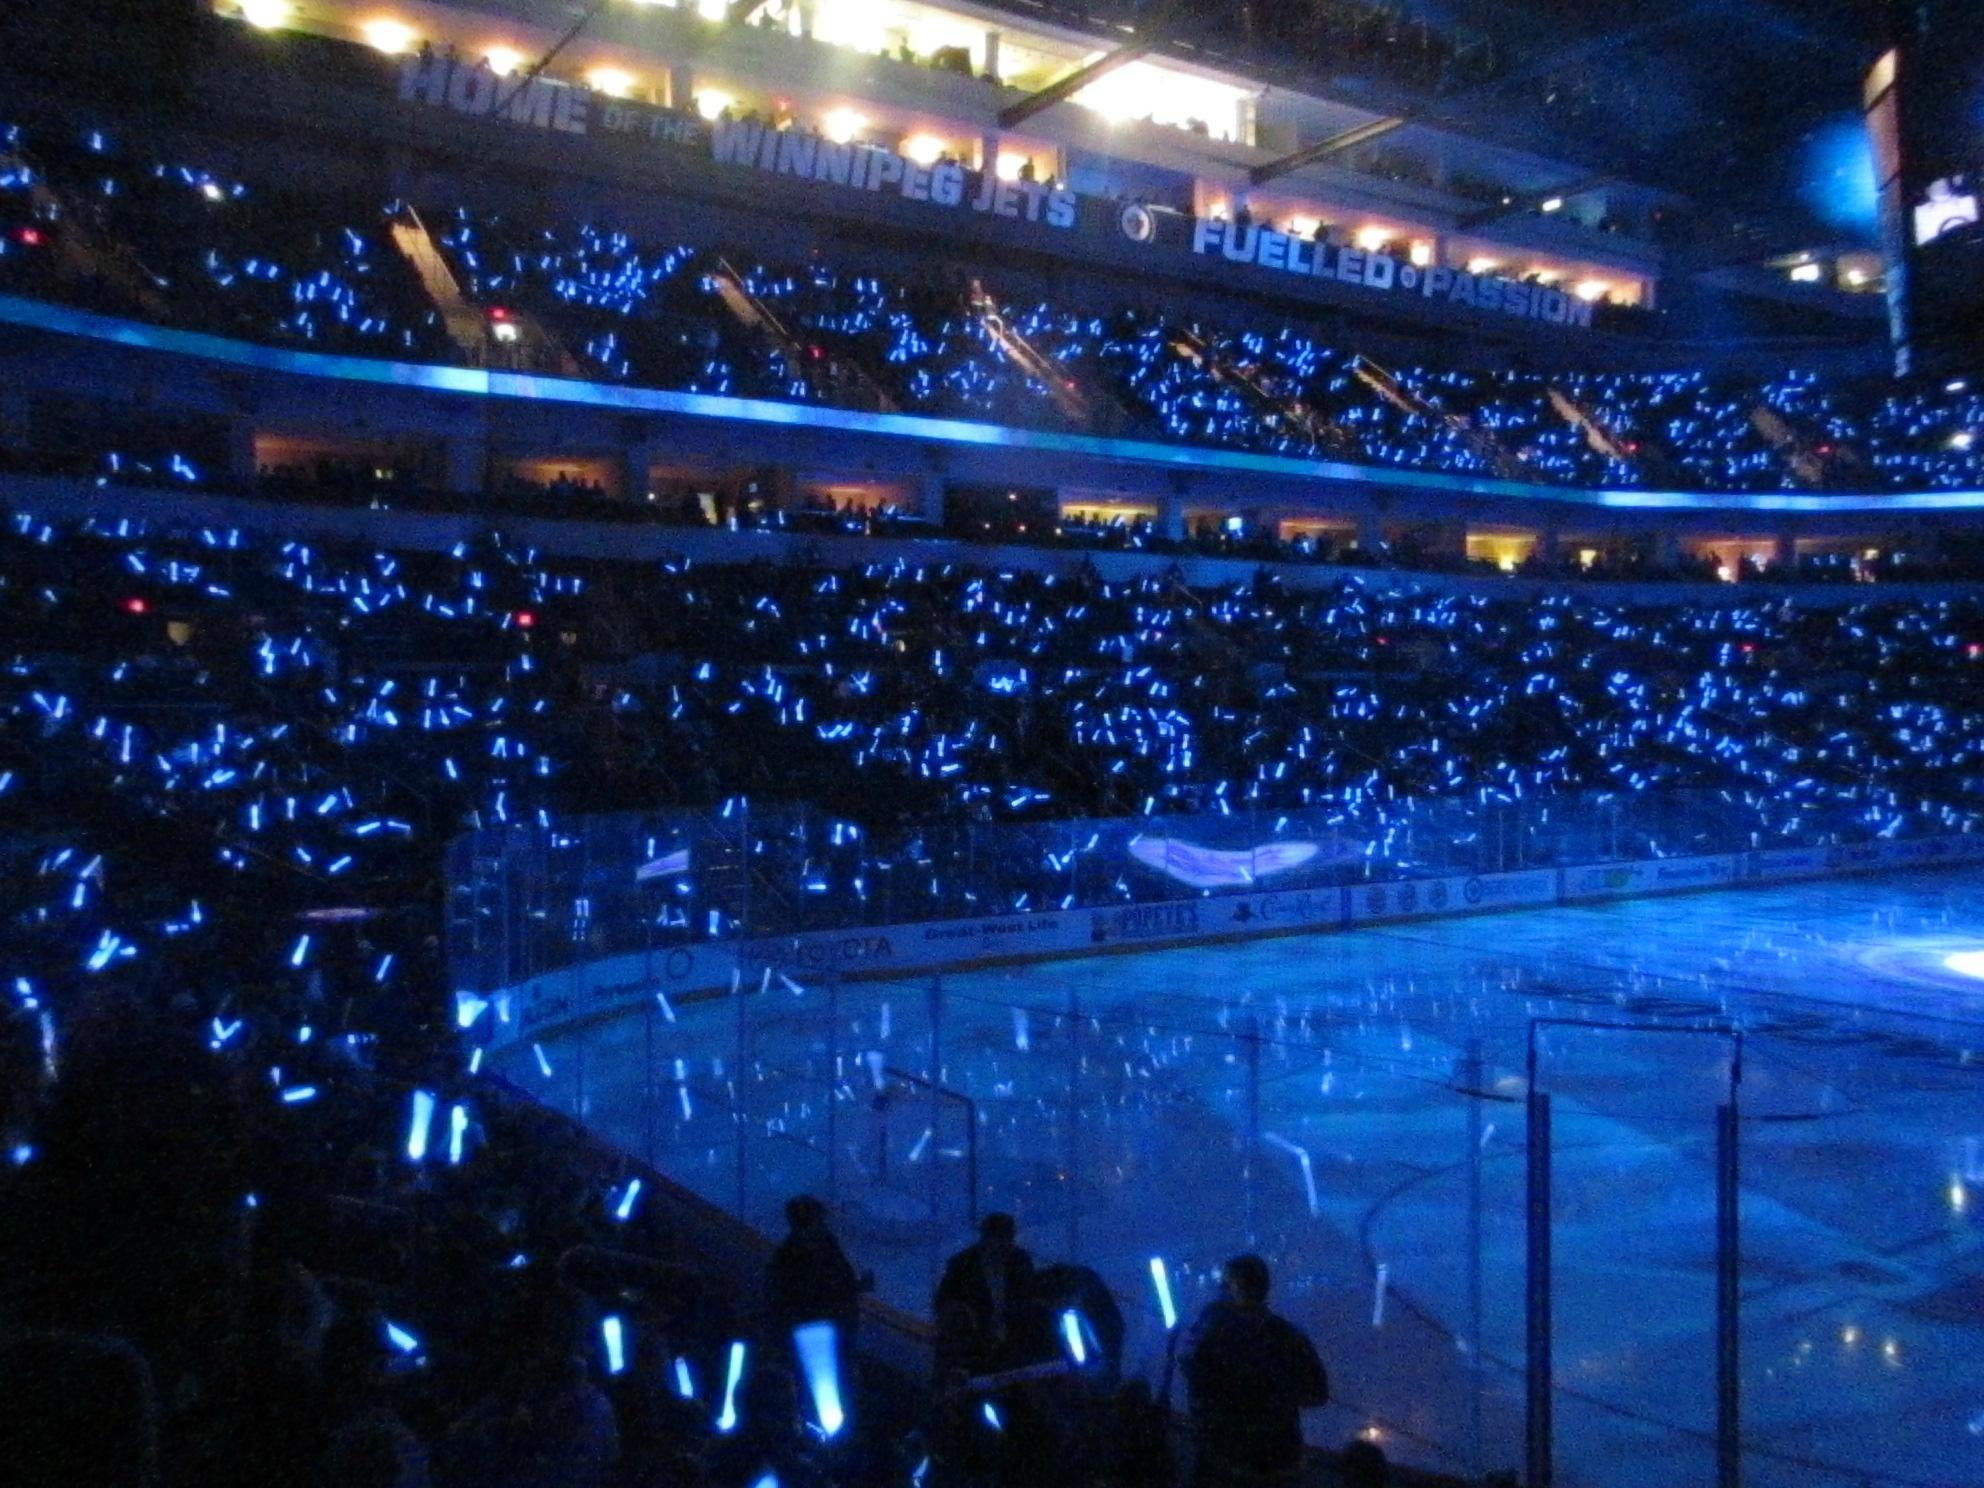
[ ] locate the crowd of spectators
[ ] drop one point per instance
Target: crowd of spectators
(265, 1220)
(232, 764)
(89, 220)
(233, 1068)
(325, 719)
(265, 265)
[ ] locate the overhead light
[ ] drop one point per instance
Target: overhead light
(1958, 386)
(1591, 289)
(1009, 166)
(712, 10)
(1303, 227)
(611, 81)
(1371, 239)
(1422, 253)
(1482, 264)
(1856, 277)
(924, 149)
(1806, 273)
(843, 124)
(1966, 963)
(504, 60)
(1962, 439)
(387, 35)
(713, 101)
(1553, 204)
(265, 15)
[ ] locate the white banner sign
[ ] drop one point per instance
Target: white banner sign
(1267, 248)
(861, 167)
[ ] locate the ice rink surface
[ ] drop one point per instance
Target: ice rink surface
(1353, 1106)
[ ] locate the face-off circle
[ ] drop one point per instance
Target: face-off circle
(1944, 963)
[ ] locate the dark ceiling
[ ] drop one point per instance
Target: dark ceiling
(1711, 98)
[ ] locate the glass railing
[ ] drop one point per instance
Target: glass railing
(526, 900)
(1360, 1109)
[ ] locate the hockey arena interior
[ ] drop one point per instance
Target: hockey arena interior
(947, 743)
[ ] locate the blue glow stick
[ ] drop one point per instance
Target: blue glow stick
(625, 1208)
(1071, 1334)
(726, 1421)
(457, 1133)
(1161, 1279)
(685, 1382)
(819, 1362)
(613, 1332)
(401, 1339)
(417, 1130)
(299, 1094)
(991, 1414)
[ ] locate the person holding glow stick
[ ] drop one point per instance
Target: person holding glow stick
(810, 1281)
(809, 1278)
(364, 1428)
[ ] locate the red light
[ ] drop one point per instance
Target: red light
(135, 606)
(31, 236)
(1973, 650)
(1825, 449)
(1748, 647)
(497, 312)
(1384, 640)
(525, 619)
